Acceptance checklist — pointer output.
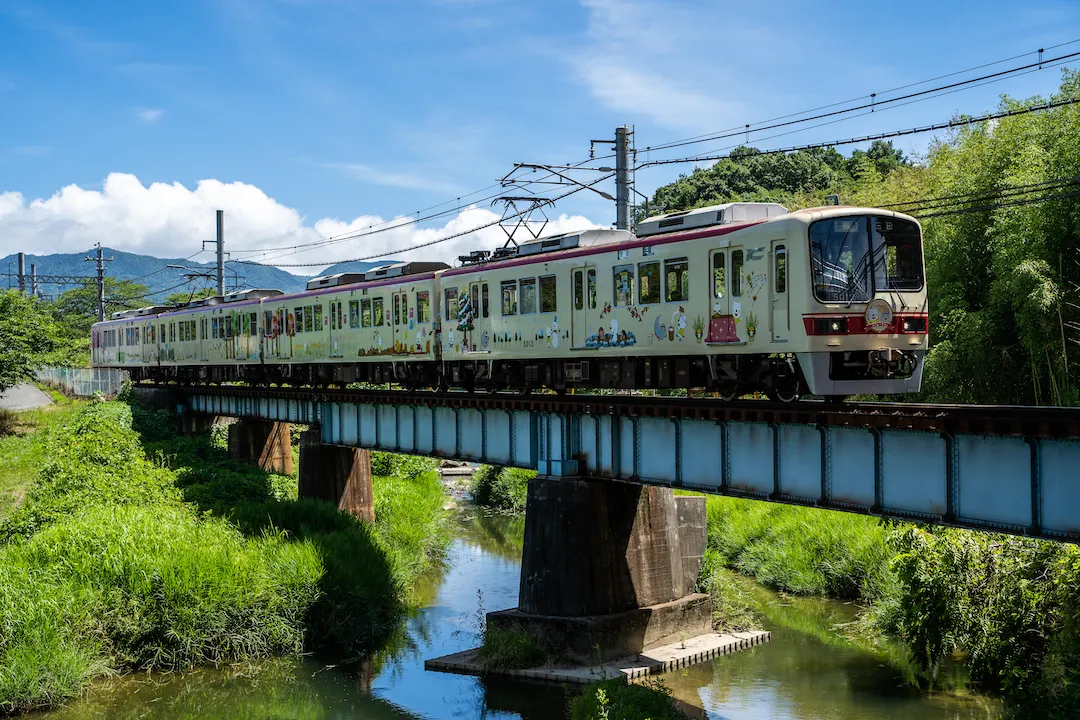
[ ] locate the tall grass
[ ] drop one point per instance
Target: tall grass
(802, 551)
(118, 561)
(23, 451)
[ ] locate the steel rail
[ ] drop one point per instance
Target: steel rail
(996, 420)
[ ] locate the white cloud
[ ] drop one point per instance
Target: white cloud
(149, 115)
(673, 63)
(170, 220)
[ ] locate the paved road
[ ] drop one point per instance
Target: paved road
(24, 397)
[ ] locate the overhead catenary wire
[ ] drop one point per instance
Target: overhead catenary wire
(875, 103)
(430, 242)
(385, 226)
(959, 122)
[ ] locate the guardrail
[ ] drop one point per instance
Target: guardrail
(84, 382)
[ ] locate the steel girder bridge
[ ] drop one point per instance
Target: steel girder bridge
(1008, 469)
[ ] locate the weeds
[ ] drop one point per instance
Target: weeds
(9, 422)
(617, 700)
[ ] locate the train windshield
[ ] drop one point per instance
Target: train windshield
(854, 257)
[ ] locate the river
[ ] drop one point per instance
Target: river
(806, 671)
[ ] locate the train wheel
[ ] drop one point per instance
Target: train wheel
(728, 391)
(783, 394)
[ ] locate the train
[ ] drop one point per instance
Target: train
(734, 298)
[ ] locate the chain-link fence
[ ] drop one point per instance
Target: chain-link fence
(84, 382)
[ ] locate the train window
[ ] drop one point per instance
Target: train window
(229, 327)
(423, 307)
(736, 273)
(484, 300)
(397, 309)
(268, 323)
(648, 283)
(253, 324)
(719, 282)
(623, 277)
(579, 291)
(897, 254)
(404, 309)
(299, 320)
(548, 295)
(365, 313)
(354, 313)
(172, 332)
(591, 279)
(781, 269)
(378, 318)
(676, 280)
(450, 304)
(528, 296)
(509, 297)
(214, 328)
(317, 318)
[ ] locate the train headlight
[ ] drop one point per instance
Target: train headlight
(829, 326)
(834, 325)
(913, 325)
(907, 326)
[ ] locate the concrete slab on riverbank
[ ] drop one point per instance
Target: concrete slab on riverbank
(650, 662)
(24, 396)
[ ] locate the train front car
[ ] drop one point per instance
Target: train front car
(866, 318)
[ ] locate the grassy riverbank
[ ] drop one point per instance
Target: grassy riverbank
(136, 550)
(1008, 608)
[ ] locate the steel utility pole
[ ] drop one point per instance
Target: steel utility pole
(33, 279)
(220, 252)
(22, 273)
(100, 259)
(622, 177)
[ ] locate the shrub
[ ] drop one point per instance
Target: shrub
(504, 488)
(385, 464)
(617, 700)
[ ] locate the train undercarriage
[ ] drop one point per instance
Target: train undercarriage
(778, 376)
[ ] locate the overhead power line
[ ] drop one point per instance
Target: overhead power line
(998, 206)
(875, 103)
(959, 122)
(430, 242)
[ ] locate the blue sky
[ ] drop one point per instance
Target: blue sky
(307, 111)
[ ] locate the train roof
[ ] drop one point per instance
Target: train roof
(725, 214)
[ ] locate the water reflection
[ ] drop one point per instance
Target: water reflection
(807, 671)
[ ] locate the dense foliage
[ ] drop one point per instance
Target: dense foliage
(501, 488)
(1003, 275)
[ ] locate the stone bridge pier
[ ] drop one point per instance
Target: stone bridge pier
(609, 569)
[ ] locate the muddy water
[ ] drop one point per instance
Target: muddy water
(806, 671)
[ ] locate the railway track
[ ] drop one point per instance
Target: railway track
(997, 420)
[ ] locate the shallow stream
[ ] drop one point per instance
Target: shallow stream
(806, 671)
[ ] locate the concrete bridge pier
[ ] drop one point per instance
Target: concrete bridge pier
(264, 442)
(340, 475)
(609, 569)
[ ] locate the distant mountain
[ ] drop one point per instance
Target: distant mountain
(163, 280)
(150, 271)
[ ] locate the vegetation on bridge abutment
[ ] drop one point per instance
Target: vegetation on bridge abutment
(135, 550)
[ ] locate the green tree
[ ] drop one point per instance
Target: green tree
(27, 337)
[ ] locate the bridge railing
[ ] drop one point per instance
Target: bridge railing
(84, 382)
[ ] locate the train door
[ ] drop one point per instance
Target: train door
(583, 300)
(480, 300)
(779, 320)
(148, 346)
(286, 326)
(335, 326)
(400, 320)
(204, 339)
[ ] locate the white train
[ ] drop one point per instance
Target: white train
(734, 298)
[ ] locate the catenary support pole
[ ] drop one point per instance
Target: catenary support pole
(22, 272)
(33, 280)
(100, 259)
(220, 252)
(622, 177)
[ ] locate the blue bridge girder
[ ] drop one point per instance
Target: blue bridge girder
(1007, 469)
